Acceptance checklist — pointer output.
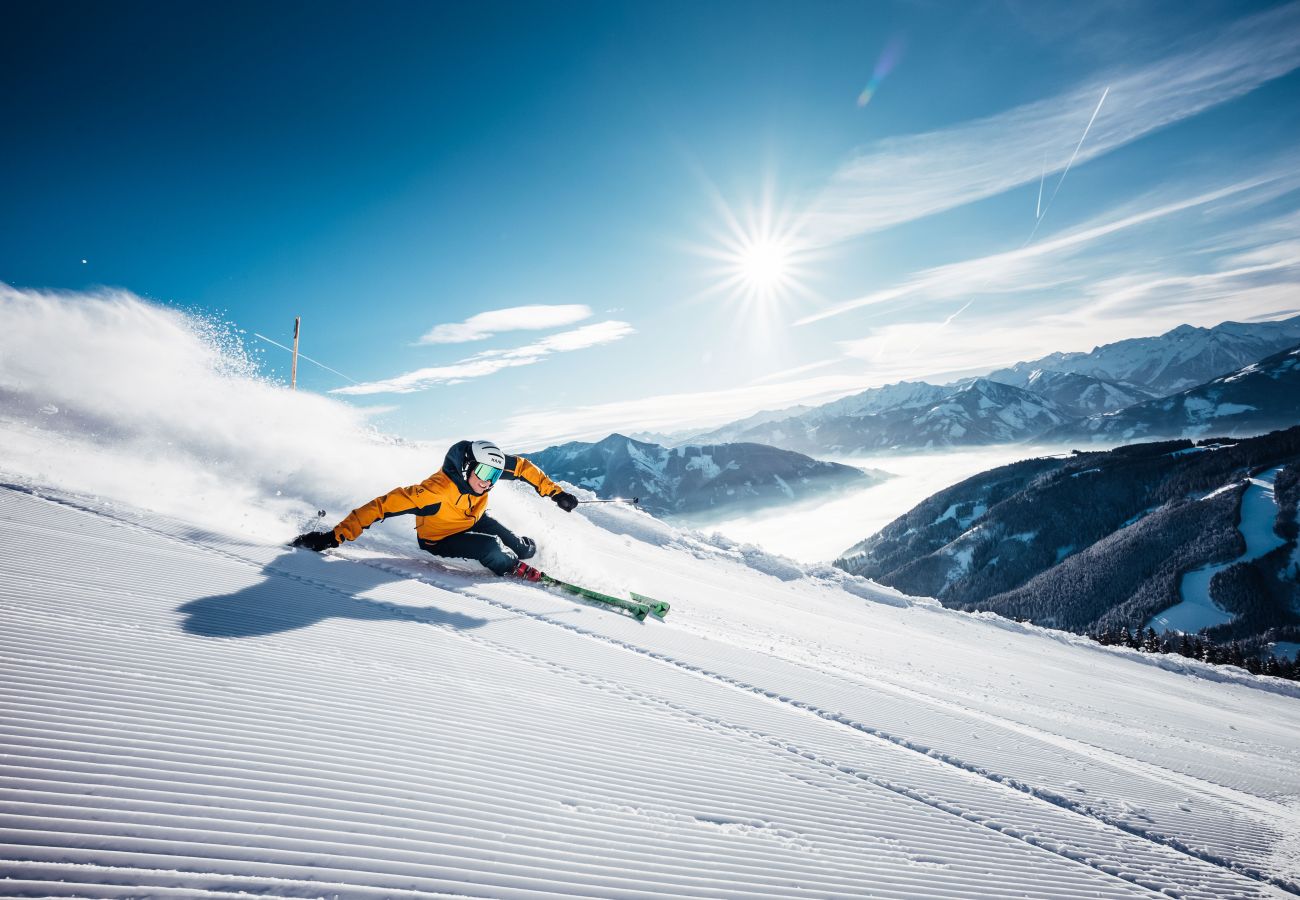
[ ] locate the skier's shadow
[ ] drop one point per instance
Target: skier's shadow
(292, 596)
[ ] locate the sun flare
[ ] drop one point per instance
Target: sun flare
(764, 264)
(760, 259)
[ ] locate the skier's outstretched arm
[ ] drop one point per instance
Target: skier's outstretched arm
(399, 501)
(519, 468)
(414, 499)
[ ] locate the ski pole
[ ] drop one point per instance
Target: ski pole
(634, 501)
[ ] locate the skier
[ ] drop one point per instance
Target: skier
(450, 508)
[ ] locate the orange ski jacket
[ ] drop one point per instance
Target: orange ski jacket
(443, 504)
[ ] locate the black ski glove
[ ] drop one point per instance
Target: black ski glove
(316, 540)
(565, 501)
(527, 548)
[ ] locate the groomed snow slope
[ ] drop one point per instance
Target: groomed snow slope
(188, 706)
(187, 711)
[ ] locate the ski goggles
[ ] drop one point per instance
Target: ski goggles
(487, 473)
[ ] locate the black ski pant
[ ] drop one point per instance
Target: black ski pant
(487, 541)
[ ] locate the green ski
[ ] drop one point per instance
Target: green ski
(639, 606)
(657, 607)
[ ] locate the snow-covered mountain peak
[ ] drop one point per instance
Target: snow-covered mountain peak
(1181, 358)
(692, 479)
(902, 395)
(1041, 394)
(1256, 398)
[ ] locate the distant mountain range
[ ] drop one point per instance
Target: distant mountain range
(772, 427)
(1083, 395)
(697, 481)
(1115, 392)
(1105, 539)
(1260, 396)
(977, 412)
(1175, 361)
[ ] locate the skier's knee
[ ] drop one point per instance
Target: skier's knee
(484, 548)
(499, 560)
(502, 569)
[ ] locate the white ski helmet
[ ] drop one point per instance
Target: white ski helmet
(485, 453)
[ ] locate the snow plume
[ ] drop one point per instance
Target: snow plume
(124, 402)
(110, 395)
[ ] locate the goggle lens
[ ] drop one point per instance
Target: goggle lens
(487, 473)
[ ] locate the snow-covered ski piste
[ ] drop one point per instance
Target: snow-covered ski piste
(188, 707)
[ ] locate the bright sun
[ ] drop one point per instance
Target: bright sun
(761, 262)
(761, 266)
(764, 265)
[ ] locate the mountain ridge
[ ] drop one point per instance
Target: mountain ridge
(1074, 386)
(699, 480)
(1181, 358)
(1100, 538)
(1260, 396)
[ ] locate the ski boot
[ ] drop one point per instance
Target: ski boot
(525, 571)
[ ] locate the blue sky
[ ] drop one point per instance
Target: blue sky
(687, 211)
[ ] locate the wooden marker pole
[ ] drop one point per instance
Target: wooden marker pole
(293, 376)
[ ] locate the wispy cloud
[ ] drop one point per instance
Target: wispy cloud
(797, 370)
(1000, 340)
(515, 318)
(490, 362)
(902, 179)
(1269, 274)
(1038, 266)
(1061, 295)
(669, 412)
(1248, 274)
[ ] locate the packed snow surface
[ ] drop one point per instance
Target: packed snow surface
(1258, 514)
(1197, 610)
(188, 710)
(190, 707)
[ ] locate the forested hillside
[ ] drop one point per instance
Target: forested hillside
(1105, 539)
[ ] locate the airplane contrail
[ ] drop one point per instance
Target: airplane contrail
(948, 320)
(1066, 170)
(940, 327)
(1042, 210)
(1038, 210)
